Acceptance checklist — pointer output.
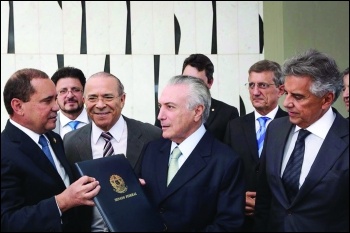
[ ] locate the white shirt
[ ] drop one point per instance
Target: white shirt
(271, 115)
(65, 128)
(187, 146)
(119, 131)
(313, 143)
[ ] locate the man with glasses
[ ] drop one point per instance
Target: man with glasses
(246, 134)
(109, 133)
(70, 84)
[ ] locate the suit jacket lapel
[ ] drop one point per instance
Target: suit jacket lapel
(60, 155)
(162, 166)
(193, 165)
(33, 151)
(250, 134)
(212, 112)
(331, 149)
(83, 145)
(278, 146)
(134, 144)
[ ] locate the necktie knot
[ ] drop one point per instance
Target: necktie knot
(303, 133)
(106, 136)
(263, 120)
(176, 153)
(73, 124)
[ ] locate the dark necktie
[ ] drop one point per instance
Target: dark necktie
(46, 149)
(292, 171)
(260, 135)
(73, 124)
(108, 148)
(173, 166)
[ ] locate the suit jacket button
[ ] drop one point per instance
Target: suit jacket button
(161, 210)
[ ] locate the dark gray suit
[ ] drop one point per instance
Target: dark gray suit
(241, 136)
(322, 203)
(77, 145)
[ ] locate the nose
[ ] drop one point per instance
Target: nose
(255, 90)
(287, 103)
(100, 103)
(160, 114)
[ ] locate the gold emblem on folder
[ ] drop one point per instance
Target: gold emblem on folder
(118, 184)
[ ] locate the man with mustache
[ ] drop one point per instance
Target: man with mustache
(70, 83)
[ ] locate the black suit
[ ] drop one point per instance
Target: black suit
(220, 114)
(29, 183)
(241, 136)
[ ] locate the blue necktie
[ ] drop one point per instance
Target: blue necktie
(260, 135)
(46, 149)
(292, 171)
(73, 124)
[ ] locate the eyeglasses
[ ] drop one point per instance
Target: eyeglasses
(259, 85)
(105, 98)
(73, 90)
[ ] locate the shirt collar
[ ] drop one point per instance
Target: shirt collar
(188, 145)
(116, 131)
(321, 127)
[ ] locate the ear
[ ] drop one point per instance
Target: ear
(210, 82)
(280, 90)
(17, 106)
(198, 112)
(122, 99)
(327, 100)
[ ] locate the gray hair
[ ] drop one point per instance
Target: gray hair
(198, 94)
(320, 67)
(267, 65)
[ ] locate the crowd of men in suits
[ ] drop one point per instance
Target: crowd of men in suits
(202, 166)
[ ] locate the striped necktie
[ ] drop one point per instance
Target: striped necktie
(260, 135)
(108, 148)
(291, 174)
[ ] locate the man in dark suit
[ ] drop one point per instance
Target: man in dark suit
(70, 83)
(312, 193)
(200, 66)
(104, 98)
(207, 191)
(36, 194)
(265, 88)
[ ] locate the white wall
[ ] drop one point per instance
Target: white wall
(43, 32)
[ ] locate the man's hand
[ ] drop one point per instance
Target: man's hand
(78, 193)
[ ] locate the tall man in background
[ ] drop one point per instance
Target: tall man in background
(245, 134)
